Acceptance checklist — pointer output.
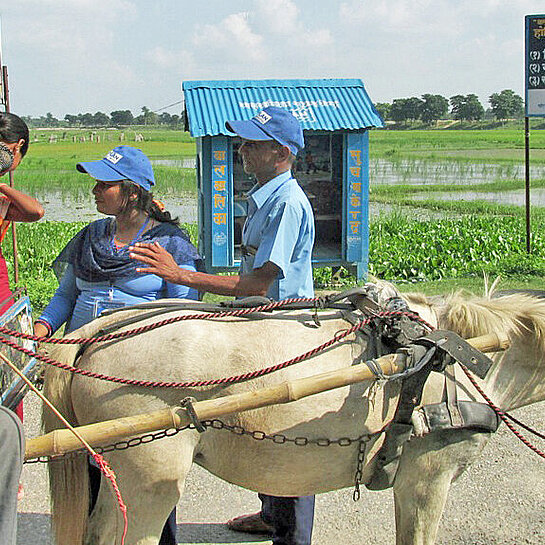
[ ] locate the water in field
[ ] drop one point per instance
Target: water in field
(420, 171)
(75, 203)
(516, 198)
(62, 206)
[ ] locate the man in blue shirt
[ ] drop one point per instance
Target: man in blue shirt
(277, 241)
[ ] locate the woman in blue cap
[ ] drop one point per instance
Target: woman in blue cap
(94, 269)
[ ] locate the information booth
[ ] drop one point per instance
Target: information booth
(333, 168)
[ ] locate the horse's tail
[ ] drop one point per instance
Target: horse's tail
(68, 477)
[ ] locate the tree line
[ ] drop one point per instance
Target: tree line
(118, 118)
(430, 108)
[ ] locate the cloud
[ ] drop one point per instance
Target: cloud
(66, 25)
(69, 50)
(232, 38)
(168, 59)
(278, 16)
(291, 42)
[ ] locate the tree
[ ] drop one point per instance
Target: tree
(121, 117)
(175, 120)
(150, 118)
(165, 118)
(100, 119)
(383, 108)
(506, 104)
(398, 110)
(414, 108)
(405, 109)
(49, 120)
(72, 120)
(475, 110)
(434, 107)
(86, 119)
(466, 108)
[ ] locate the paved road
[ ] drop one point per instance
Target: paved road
(498, 501)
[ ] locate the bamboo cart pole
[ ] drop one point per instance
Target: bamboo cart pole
(62, 441)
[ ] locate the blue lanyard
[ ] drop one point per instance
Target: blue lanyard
(137, 236)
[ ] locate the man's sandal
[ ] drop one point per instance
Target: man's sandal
(250, 524)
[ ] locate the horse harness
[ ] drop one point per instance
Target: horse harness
(399, 332)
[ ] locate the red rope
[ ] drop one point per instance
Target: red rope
(501, 414)
(144, 329)
(194, 384)
(108, 472)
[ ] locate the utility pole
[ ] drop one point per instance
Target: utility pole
(4, 100)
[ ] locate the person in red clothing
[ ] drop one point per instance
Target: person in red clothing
(14, 205)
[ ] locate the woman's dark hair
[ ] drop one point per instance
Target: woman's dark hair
(143, 201)
(13, 129)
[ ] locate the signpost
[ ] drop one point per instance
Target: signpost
(534, 85)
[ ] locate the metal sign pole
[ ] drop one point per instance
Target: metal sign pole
(534, 93)
(527, 179)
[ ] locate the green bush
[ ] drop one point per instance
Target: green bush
(401, 250)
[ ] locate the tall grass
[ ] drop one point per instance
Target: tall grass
(497, 145)
(401, 250)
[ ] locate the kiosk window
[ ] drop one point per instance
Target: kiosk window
(318, 170)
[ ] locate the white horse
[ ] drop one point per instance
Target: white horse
(151, 477)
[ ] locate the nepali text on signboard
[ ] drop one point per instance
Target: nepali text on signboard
(535, 65)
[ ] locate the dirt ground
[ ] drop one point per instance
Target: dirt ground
(500, 500)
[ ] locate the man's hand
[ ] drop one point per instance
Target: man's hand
(158, 261)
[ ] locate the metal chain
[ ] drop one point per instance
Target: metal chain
(359, 468)
(281, 439)
(120, 445)
(277, 438)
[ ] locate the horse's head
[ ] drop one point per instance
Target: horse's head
(518, 375)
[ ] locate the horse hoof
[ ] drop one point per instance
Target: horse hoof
(250, 524)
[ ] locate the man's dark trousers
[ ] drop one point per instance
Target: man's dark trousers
(291, 518)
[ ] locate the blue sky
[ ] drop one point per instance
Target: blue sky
(76, 56)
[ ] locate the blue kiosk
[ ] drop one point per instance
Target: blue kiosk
(333, 169)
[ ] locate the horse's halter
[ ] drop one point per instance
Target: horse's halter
(6, 158)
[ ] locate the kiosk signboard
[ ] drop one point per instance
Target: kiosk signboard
(535, 65)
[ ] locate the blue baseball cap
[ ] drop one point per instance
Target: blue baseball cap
(271, 123)
(122, 163)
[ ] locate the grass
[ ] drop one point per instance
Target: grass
(497, 145)
(52, 166)
(402, 250)
(472, 240)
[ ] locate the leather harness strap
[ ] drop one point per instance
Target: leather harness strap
(451, 394)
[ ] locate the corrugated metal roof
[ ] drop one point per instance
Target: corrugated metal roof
(319, 104)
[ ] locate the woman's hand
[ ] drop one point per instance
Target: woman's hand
(158, 261)
(41, 330)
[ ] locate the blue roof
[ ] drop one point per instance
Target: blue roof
(319, 104)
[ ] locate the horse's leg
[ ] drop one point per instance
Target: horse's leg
(427, 468)
(151, 479)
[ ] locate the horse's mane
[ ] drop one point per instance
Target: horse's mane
(516, 314)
